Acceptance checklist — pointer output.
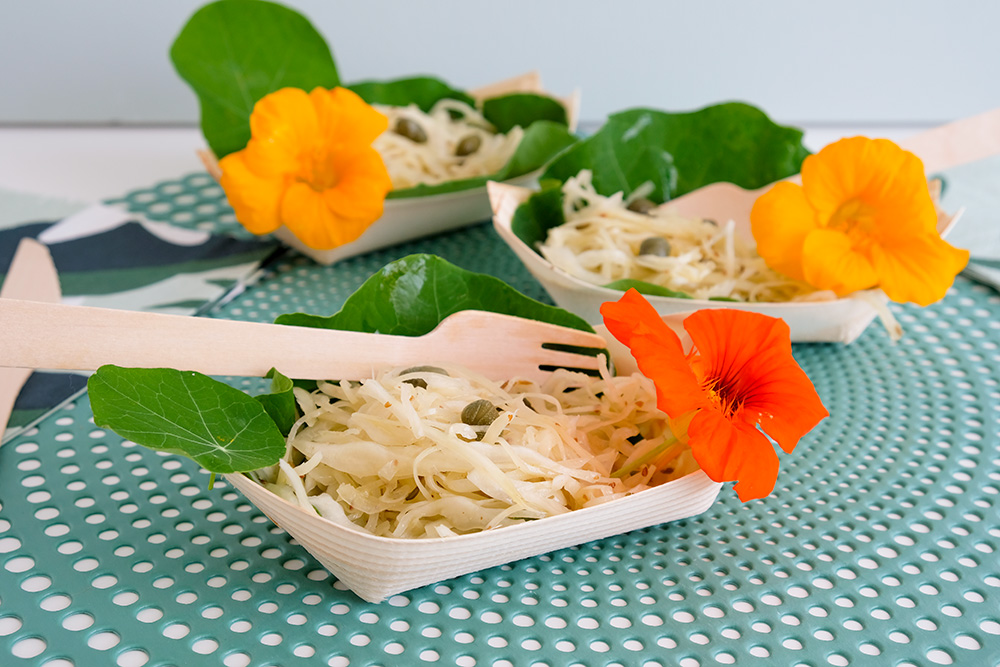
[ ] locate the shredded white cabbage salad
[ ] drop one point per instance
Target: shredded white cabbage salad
(395, 456)
(457, 142)
(601, 239)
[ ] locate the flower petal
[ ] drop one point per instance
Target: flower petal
(657, 351)
(829, 261)
(305, 213)
(836, 173)
(750, 357)
(256, 200)
(343, 117)
(360, 192)
(284, 126)
(918, 269)
(888, 180)
(780, 219)
(729, 451)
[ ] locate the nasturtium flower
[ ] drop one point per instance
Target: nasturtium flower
(310, 166)
(862, 218)
(738, 382)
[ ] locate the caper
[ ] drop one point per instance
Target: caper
(479, 412)
(642, 205)
(656, 246)
(411, 130)
(420, 382)
(468, 145)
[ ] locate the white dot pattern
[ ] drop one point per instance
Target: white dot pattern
(879, 542)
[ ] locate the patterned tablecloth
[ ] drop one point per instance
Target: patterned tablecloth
(114, 256)
(879, 545)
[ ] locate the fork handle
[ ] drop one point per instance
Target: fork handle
(56, 336)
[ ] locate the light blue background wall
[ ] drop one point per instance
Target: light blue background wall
(851, 61)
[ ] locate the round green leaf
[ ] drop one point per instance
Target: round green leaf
(183, 412)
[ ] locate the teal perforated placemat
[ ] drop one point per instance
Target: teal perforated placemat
(879, 545)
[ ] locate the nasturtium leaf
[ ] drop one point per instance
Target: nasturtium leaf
(619, 162)
(424, 91)
(234, 52)
(183, 412)
(522, 109)
(733, 142)
(649, 289)
(279, 403)
(410, 296)
(541, 141)
(541, 212)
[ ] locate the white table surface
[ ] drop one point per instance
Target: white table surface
(88, 164)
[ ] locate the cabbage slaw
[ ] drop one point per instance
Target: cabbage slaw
(392, 456)
(435, 161)
(600, 241)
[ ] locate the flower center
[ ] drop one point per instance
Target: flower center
(318, 172)
(723, 395)
(854, 218)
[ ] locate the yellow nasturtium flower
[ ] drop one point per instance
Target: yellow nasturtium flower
(862, 218)
(309, 166)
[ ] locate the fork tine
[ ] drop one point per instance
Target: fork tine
(516, 346)
(553, 359)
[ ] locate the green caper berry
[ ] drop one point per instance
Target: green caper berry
(479, 413)
(468, 145)
(656, 246)
(642, 205)
(410, 129)
(420, 382)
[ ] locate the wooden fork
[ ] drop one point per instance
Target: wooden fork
(55, 336)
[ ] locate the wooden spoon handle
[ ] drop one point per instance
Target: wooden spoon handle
(55, 336)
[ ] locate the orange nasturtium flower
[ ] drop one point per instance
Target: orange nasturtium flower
(738, 382)
(863, 217)
(309, 166)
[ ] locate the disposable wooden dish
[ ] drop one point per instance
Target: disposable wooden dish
(378, 567)
(829, 320)
(824, 320)
(410, 218)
